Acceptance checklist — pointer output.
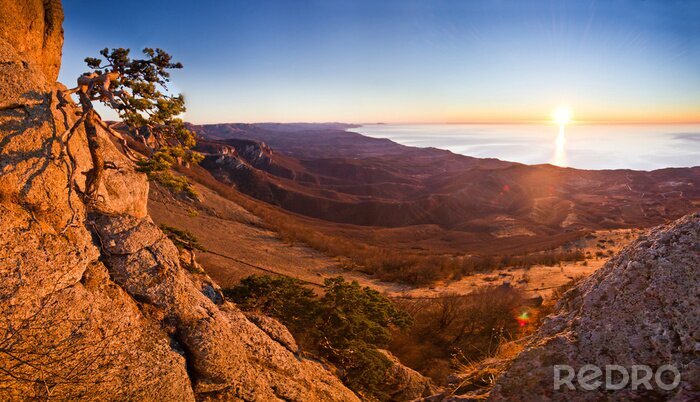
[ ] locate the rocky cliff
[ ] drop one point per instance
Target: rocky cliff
(95, 303)
(641, 308)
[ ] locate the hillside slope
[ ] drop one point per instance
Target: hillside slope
(95, 303)
(346, 179)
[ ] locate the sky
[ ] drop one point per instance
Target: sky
(409, 61)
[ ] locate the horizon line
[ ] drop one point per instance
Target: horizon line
(474, 122)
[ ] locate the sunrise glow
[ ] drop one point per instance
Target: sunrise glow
(418, 62)
(562, 115)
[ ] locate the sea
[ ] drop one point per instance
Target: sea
(582, 146)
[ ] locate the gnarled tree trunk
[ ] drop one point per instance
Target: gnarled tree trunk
(94, 175)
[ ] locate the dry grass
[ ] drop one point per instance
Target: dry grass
(384, 263)
(469, 327)
(477, 376)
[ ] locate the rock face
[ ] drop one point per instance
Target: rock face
(275, 330)
(403, 383)
(641, 308)
(95, 303)
(34, 30)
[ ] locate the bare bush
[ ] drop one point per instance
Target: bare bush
(470, 326)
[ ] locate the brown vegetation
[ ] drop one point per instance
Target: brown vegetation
(385, 263)
(452, 329)
(474, 375)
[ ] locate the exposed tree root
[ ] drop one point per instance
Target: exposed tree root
(71, 164)
(90, 120)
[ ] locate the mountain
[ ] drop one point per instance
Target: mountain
(96, 304)
(345, 179)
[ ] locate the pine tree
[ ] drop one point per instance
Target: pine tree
(137, 90)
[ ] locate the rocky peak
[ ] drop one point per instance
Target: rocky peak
(218, 152)
(237, 151)
(96, 301)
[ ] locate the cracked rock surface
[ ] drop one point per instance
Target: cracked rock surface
(642, 307)
(95, 303)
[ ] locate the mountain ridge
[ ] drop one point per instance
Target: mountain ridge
(346, 178)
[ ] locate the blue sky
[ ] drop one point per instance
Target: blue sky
(409, 61)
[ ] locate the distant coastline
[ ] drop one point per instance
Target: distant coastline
(646, 147)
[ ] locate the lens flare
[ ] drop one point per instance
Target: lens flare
(523, 319)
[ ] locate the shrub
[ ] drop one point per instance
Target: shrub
(182, 238)
(157, 168)
(344, 326)
(364, 370)
(470, 326)
(281, 297)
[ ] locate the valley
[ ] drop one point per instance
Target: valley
(417, 221)
(427, 199)
(239, 243)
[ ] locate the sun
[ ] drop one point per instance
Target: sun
(562, 115)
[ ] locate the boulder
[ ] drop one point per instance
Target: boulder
(641, 308)
(403, 383)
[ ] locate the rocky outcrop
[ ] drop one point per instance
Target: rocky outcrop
(95, 302)
(203, 282)
(34, 30)
(403, 383)
(67, 330)
(641, 308)
(235, 152)
(257, 153)
(275, 330)
(229, 356)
